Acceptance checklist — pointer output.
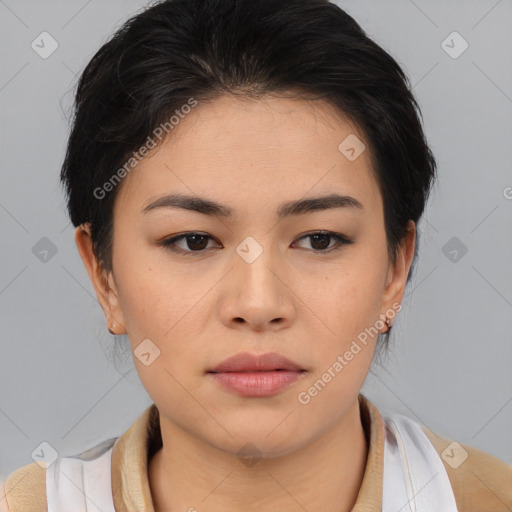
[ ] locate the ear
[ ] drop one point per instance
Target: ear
(104, 284)
(398, 272)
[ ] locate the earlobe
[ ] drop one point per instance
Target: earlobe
(105, 292)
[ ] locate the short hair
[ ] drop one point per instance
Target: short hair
(175, 50)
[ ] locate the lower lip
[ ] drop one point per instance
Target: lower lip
(257, 384)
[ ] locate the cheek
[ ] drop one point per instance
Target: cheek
(350, 310)
(156, 311)
(145, 285)
(352, 299)
(161, 304)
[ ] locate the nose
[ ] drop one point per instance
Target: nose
(258, 294)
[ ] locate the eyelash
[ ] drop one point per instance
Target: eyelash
(169, 243)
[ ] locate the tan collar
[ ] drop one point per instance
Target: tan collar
(130, 484)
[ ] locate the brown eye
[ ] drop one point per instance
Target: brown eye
(194, 242)
(320, 240)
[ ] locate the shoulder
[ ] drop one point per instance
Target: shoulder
(24, 490)
(479, 480)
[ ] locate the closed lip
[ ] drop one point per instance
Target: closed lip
(246, 362)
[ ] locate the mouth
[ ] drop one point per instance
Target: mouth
(256, 383)
(256, 375)
(251, 363)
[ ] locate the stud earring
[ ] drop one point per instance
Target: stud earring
(388, 322)
(111, 330)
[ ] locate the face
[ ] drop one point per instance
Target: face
(252, 281)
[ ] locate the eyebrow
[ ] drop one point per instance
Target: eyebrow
(291, 208)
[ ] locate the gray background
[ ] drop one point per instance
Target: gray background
(449, 367)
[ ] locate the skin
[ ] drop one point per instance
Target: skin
(201, 307)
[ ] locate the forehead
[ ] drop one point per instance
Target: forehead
(246, 152)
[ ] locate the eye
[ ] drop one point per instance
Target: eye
(195, 241)
(320, 240)
(198, 242)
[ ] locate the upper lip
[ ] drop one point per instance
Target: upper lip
(246, 362)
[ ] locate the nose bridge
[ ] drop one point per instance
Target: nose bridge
(258, 260)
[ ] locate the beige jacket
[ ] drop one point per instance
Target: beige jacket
(482, 483)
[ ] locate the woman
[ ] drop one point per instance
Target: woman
(245, 178)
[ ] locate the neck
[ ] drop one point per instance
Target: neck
(186, 473)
